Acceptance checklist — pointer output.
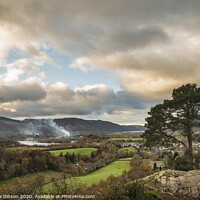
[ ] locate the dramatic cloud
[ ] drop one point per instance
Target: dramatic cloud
(29, 90)
(132, 38)
(151, 46)
(30, 99)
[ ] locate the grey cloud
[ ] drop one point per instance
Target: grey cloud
(22, 92)
(142, 41)
(90, 12)
(87, 26)
(81, 101)
(31, 50)
(66, 101)
(72, 23)
(133, 38)
(131, 100)
(177, 63)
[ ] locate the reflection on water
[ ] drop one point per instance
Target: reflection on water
(32, 143)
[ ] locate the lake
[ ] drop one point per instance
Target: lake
(32, 143)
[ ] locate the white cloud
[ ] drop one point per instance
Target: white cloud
(82, 63)
(153, 46)
(34, 98)
(18, 68)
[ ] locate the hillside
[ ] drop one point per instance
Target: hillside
(75, 124)
(10, 128)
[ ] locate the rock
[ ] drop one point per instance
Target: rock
(186, 184)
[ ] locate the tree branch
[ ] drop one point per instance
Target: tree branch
(173, 137)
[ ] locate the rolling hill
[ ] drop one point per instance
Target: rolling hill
(10, 128)
(80, 125)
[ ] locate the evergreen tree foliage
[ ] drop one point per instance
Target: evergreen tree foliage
(175, 120)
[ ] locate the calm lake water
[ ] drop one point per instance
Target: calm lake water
(32, 143)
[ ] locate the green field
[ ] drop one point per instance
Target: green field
(48, 175)
(130, 139)
(83, 151)
(126, 148)
(116, 168)
(125, 159)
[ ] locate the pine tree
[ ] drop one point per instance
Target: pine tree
(175, 120)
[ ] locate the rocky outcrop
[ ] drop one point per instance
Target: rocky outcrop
(173, 182)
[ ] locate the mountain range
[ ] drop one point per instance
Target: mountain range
(11, 128)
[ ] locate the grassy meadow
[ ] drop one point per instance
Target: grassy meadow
(126, 148)
(126, 159)
(115, 168)
(83, 151)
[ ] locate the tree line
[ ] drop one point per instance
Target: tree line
(17, 163)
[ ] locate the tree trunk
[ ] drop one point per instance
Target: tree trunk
(190, 157)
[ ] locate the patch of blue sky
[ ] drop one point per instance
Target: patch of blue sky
(15, 54)
(46, 47)
(76, 77)
(73, 77)
(2, 70)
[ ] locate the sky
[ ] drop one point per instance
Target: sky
(110, 59)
